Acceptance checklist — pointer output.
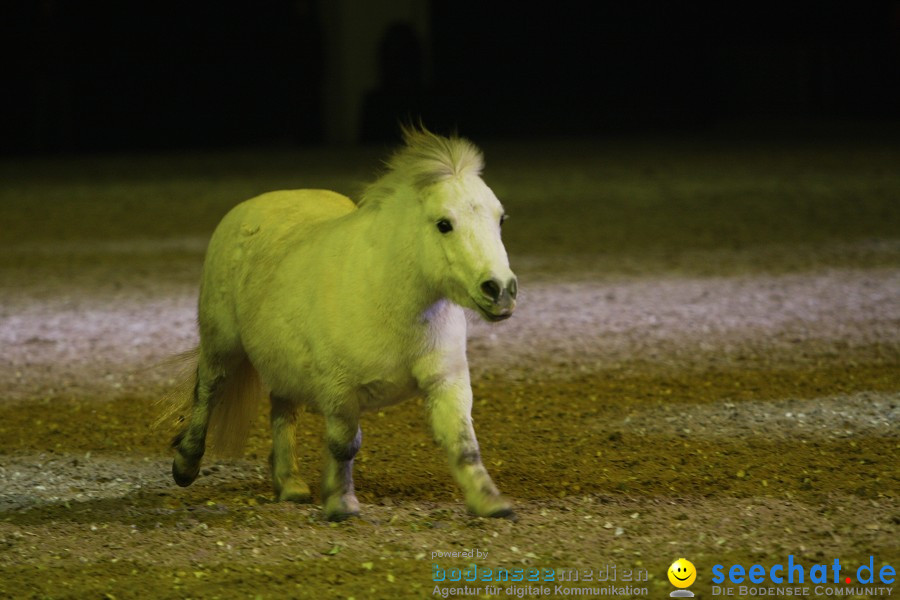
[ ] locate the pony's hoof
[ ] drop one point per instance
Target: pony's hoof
(505, 512)
(341, 508)
(496, 507)
(337, 517)
(183, 472)
(295, 491)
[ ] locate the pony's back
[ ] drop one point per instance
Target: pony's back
(252, 240)
(270, 221)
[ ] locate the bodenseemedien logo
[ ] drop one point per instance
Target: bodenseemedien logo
(682, 574)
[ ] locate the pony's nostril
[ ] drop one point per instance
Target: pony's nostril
(513, 287)
(491, 289)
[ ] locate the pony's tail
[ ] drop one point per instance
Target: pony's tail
(233, 415)
(175, 405)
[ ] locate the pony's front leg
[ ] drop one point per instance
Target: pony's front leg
(450, 406)
(285, 472)
(343, 438)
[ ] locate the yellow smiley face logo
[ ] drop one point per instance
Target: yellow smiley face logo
(682, 573)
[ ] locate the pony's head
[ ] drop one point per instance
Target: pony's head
(457, 221)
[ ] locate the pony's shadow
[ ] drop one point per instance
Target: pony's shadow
(224, 493)
(156, 502)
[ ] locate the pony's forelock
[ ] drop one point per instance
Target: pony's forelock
(426, 159)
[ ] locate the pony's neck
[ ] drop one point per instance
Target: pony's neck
(390, 259)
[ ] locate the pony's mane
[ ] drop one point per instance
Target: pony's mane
(425, 159)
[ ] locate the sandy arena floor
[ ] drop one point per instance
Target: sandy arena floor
(704, 364)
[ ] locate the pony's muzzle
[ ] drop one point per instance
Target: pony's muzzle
(498, 299)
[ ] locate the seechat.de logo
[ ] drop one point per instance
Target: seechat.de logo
(795, 579)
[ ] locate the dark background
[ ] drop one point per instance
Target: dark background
(201, 74)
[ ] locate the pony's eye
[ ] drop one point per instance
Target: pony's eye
(503, 219)
(444, 226)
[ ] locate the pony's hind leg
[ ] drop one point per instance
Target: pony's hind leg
(283, 460)
(190, 443)
(343, 437)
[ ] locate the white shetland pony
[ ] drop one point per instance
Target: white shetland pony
(345, 308)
